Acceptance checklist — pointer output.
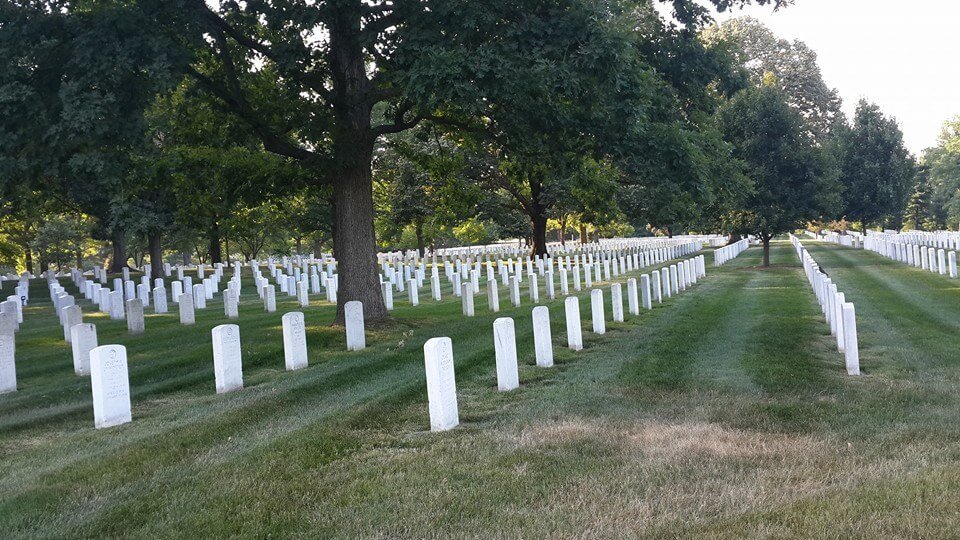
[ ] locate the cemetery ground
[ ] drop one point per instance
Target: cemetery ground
(724, 412)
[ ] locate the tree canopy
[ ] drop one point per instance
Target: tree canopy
(876, 170)
(182, 129)
(794, 181)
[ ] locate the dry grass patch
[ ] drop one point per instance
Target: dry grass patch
(666, 442)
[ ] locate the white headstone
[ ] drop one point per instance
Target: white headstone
(8, 365)
(596, 310)
(143, 293)
(542, 339)
(574, 332)
(270, 298)
(199, 296)
(208, 286)
(435, 287)
(441, 383)
(353, 320)
(505, 347)
(83, 339)
(616, 300)
(159, 300)
(633, 301)
(227, 358)
(466, 298)
(294, 341)
(303, 294)
(111, 386)
(655, 283)
(534, 286)
(645, 291)
(851, 349)
(187, 315)
(413, 294)
(387, 291)
(493, 296)
(515, 291)
(135, 322)
(838, 315)
(116, 305)
(72, 315)
(230, 304)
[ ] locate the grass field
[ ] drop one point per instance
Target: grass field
(725, 412)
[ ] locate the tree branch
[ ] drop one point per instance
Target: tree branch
(399, 123)
(311, 79)
(523, 201)
(236, 104)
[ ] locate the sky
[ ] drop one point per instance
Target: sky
(902, 55)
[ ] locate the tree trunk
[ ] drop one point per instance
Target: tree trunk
(418, 227)
(354, 239)
(28, 259)
(156, 255)
(118, 260)
(766, 250)
(584, 237)
(317, 244)
(213, 235)
(226, 249)
(355, 245)
(539, 245)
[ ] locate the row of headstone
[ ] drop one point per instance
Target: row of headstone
(839, 314)
(935, 239)
(936, 260)
(399, 267)
(730, 252)
(107, 365)
(502, 250)
(21, 291)
(126, 301)
(846, 240)
(438, 352)
(465, 276)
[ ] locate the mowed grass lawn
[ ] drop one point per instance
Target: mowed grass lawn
(724, 412)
